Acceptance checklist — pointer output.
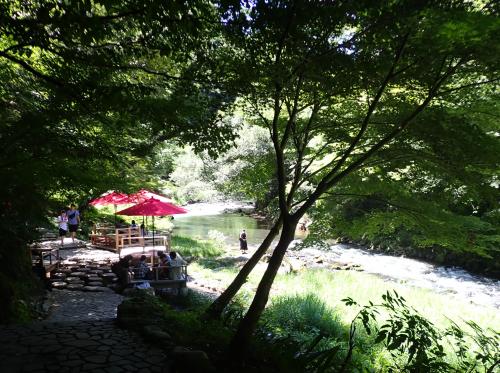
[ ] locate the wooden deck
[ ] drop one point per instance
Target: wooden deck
(116, 239)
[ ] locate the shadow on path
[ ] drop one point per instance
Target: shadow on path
(80, 335)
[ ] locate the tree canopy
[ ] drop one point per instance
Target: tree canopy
(88, 90)
(349, 88)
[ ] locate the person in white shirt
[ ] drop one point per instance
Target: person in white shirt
(62, 221)
(175, 273)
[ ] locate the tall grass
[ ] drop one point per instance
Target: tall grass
(306, 305)
(316, 336)
(195, 248)
(331, 287)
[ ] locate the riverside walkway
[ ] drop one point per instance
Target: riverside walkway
(79, 335)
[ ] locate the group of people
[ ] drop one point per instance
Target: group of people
(69, 219)
(169, 268)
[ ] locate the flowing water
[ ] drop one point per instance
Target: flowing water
(478, 289)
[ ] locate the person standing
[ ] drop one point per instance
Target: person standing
(73, 220)
(62, 221)
(243, 241)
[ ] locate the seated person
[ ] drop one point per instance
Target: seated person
(164, 262)
(176, 262)
(122, 270)
(142, 270)
(133, 224)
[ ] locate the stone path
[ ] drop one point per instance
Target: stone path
(82, 306)
(80, 335)
(75, 346)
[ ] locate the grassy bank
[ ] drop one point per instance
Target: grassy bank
(189, 247)
(307, 304)
(332, 286)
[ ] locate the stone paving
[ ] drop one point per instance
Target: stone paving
(80, 335)
(68, 305)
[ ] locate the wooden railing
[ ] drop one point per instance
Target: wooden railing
(159, 282)
(47, 257)
(118, 238)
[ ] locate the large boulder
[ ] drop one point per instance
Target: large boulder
(139, 311)
(191, 361)
(156, 335)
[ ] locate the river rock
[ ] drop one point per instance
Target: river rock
(95, 288)
(59, 284)
(109, 280)
(153, 334)
(187, 361)
(295, 264)
(266, 258)
(74, 280)
(74, 286)
(58, 275)
(285, 267)
(95, 283)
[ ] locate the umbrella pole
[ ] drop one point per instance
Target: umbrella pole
(115, 215)
(153, 238)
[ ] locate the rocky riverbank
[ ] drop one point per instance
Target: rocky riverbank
(472, 262)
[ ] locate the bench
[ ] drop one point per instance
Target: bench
(158, 282)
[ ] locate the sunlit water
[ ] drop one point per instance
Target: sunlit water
(477, 289)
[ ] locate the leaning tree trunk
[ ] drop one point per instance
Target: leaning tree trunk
(215, 310)
(240, 343)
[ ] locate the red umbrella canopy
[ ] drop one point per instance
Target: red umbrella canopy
(111, 198)
(143, 195)
(153, 207)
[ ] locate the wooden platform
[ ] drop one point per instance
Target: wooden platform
(116, 239)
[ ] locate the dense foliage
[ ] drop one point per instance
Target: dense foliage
(340, 85)
(88, 89)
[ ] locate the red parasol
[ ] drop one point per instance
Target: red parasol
(143, 195)
(111, 198)
(153, 207)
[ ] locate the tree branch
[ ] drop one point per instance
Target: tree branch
(371, 108)
(326, 183)
(32, 70)
(468, 86)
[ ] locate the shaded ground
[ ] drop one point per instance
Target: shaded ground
(75, 346)
(80, 335)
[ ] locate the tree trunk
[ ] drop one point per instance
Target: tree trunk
(215, 310)
(240, 342)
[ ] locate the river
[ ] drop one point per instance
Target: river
(204, 218)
